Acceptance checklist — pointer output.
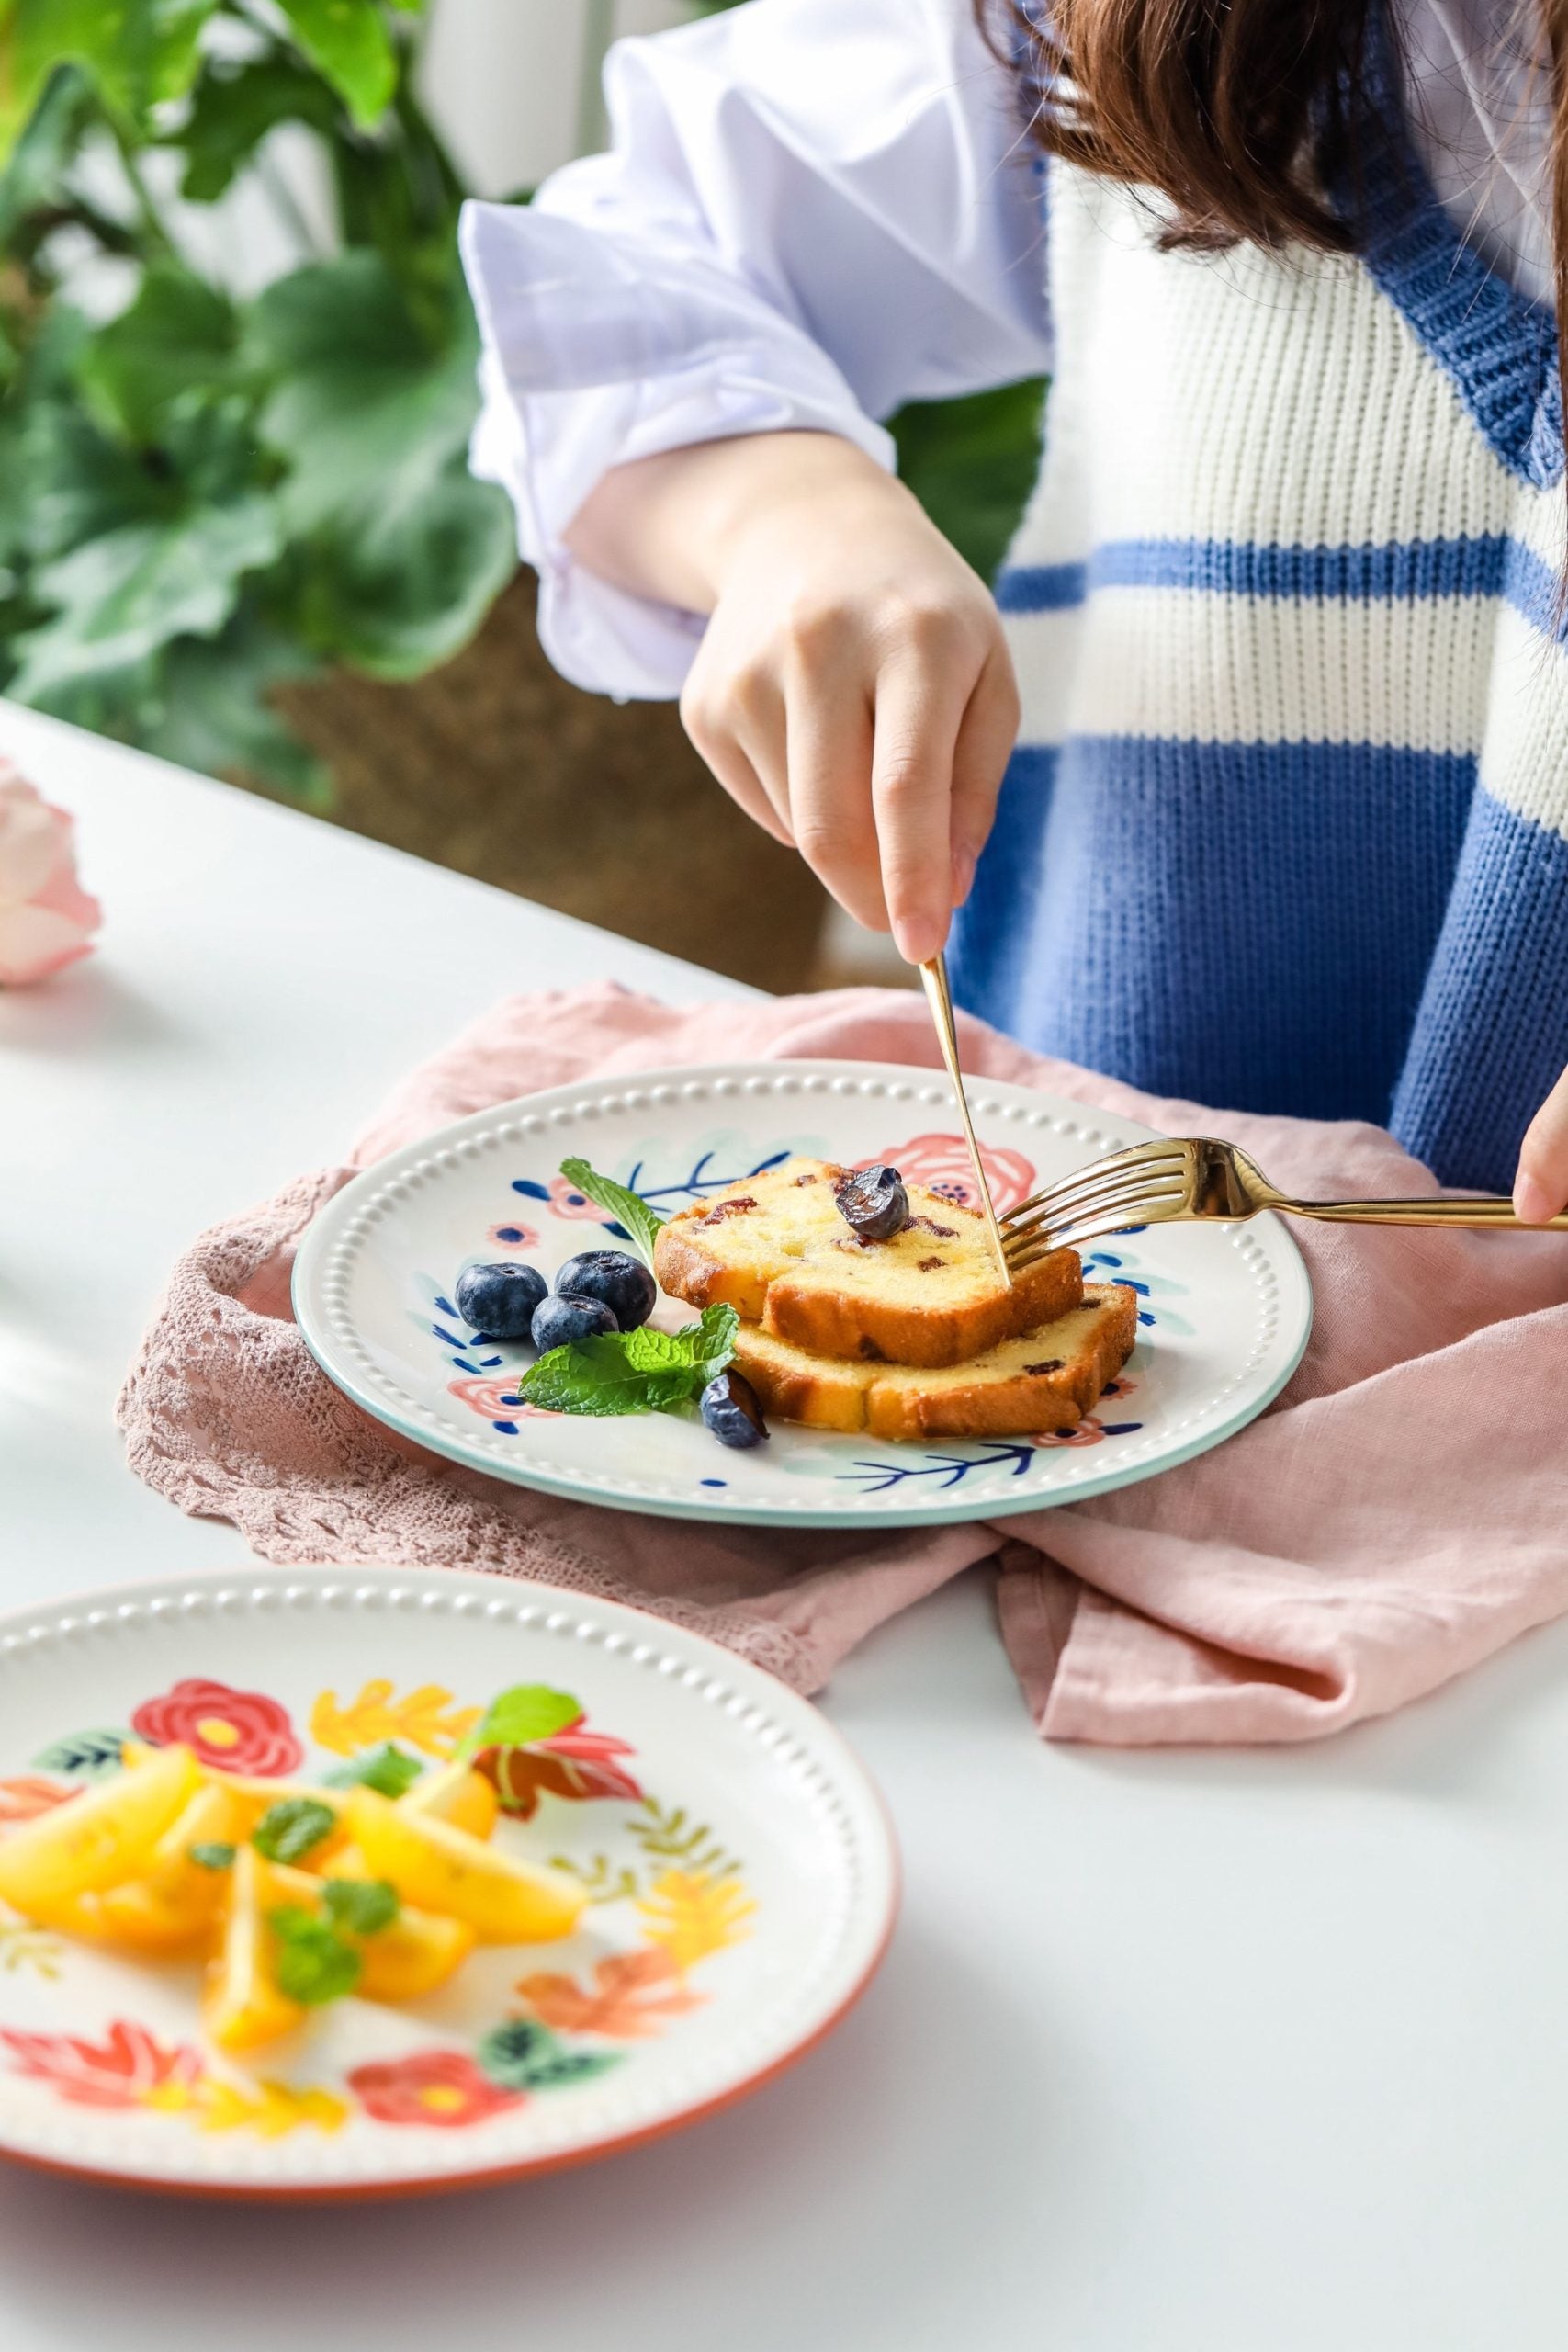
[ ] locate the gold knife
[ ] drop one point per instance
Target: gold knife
(933, 977)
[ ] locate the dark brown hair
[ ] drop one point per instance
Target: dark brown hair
(1244, 113)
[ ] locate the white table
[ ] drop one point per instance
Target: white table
(1173, 2052)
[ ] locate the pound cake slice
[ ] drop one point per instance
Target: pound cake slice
(1046, 1379)
(776, 1248)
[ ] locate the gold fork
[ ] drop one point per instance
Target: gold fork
(1179, 1179)
(933, 977)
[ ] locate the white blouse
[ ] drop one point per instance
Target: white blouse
(814, 210)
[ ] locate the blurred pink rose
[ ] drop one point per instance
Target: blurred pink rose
(45, 915)
(942, 1164)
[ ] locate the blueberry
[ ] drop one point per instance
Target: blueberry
(732, 1410)
(500, 1299)
(616, 1279)
(566, 1322)
(873, 1202)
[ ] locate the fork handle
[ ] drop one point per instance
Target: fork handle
(1484, 1213)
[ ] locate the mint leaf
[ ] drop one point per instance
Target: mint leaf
(516, 1718)
(287, 1830)
(211, 1856)
(628, 1209)
(312, 1964)
(361, 1906)
(389, 1770)
(711, 1341)
(634, 1371)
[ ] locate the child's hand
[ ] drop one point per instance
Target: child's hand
(854, 691)
(1540, 1188)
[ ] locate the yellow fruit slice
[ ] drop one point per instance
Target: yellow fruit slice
(459, 1794)
(412, 1956)
(442, 1868)
(96, 1839)
(254, 1795)
(242, 2006)
(177, 1903)
(415, 1954)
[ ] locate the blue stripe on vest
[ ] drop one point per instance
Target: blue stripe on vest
(1203, 939)
(1491, 1038)
(1003, 907)
(1040, 588)
(1489, 564)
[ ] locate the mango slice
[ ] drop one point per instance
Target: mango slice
(177, 1903)
(411, 1957)
(439, 1868)
(97, 1839)
(459, 1794)
(242, 2006)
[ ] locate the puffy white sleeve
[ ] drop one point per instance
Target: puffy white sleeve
(813, 210)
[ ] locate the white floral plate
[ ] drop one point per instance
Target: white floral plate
(742, 1875)
(1224, 1311)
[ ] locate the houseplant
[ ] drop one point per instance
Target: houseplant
(209, 495)
(238, 529)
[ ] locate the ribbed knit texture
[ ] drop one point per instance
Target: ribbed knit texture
(1287, 827)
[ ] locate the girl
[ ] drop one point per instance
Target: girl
(1285, 823)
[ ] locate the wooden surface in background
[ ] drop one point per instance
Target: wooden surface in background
(496, 767)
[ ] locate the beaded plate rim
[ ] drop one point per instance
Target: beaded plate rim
(844, 1801)
(325, 1263)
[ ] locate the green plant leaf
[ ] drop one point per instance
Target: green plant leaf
(213, 715)
(641, 1224)
(972, 464)
(179, 333)
(233, 109)
(34, 174)
(212, 1854)
(515, 1718)
(80, 482)
(407, 552)
(348, 41)
(138, 53)
(121, 598)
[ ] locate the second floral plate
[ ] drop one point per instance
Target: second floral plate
(739, 1874)
(1223, 1312)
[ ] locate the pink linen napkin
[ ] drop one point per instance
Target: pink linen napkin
(1400, 1513)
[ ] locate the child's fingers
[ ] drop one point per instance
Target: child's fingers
(917, 717)
(828, 744)
(1540, 1188)
(714, 731)
(986, 739)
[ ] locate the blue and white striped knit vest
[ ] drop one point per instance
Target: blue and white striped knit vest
(1287, 827)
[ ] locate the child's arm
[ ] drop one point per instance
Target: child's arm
(813, 213)
(853, 691)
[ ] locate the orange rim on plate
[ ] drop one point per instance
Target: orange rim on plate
(740, 1871)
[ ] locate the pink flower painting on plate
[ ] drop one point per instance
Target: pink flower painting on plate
(942, 1164)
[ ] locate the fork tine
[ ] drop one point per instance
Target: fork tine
(1129, 1185)
(1146, 1157)
(1122, 1200)
(1115, 1217)
(1028, 1258)
(1096, 1228)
